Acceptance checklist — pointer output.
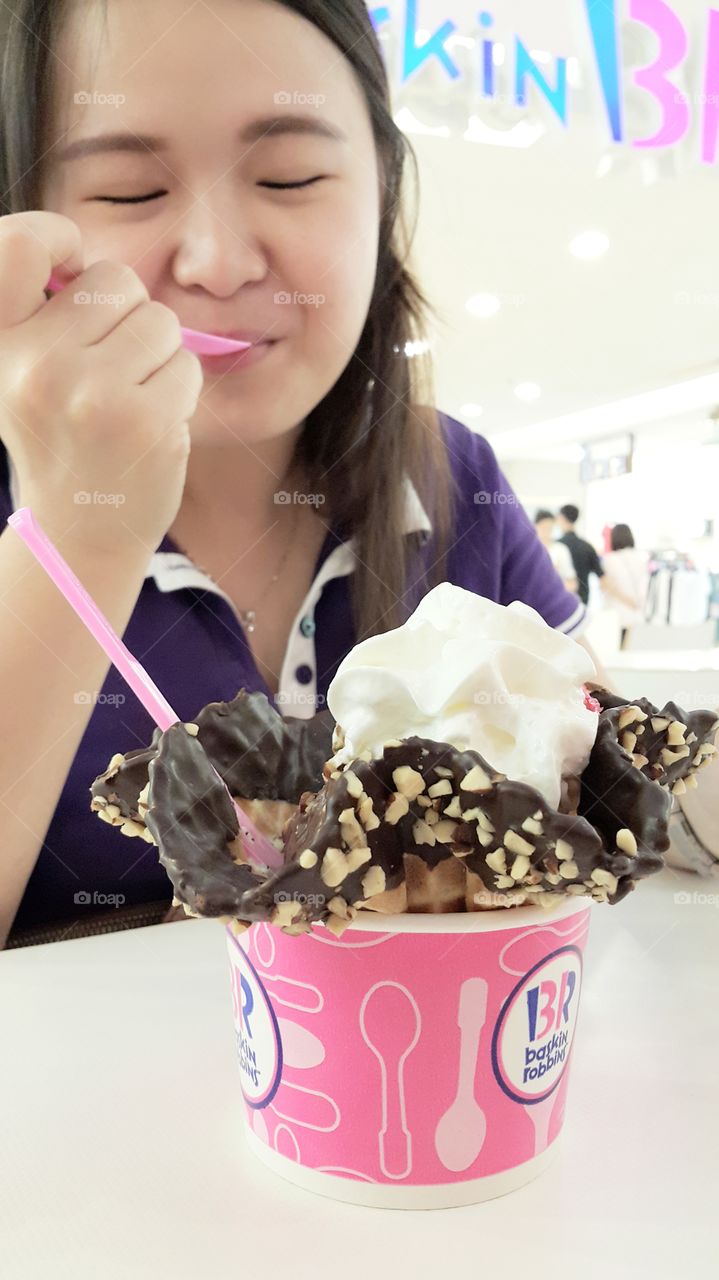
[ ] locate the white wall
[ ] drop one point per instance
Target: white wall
(544, 484)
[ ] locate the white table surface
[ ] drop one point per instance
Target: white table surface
(122, 1151)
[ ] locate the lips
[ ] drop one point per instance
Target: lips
(254, 336)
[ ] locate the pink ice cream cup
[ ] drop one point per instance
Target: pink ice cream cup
(416, 1062)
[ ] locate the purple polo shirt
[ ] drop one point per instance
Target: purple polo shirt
(187, 634)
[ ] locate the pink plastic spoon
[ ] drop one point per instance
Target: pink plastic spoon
(203, 344)
(258, 849)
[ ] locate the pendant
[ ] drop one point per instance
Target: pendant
(247, 618)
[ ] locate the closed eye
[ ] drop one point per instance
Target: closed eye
(130, 199)
(271, 186)
(290, 186)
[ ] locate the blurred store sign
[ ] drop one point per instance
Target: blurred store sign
(605, 459)
(652, 75)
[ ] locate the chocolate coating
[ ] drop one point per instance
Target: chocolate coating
(259, 754)
(661, 753)
(358, 850)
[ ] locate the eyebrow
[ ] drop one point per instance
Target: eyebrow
(255, 131)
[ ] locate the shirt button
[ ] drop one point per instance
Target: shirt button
(308, 626)
(304, 674)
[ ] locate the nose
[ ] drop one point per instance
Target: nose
(216, 248)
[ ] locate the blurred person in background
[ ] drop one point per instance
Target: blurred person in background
(545, 523)
(626, 570)
(586, 561)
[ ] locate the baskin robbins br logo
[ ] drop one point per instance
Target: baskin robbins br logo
(259, 1045)
(535, 1028)
(603, 20)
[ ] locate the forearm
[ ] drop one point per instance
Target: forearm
(47, 659)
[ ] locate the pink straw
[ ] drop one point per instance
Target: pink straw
(135, 675)
(203, 344)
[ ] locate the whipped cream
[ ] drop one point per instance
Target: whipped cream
(481, 676)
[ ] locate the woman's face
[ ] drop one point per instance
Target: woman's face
(217, 242)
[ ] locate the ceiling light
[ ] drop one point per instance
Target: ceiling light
(632, 411)
(528, 391)
(483, 305)
(589, 246)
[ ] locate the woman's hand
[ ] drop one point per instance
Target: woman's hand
(96, 390)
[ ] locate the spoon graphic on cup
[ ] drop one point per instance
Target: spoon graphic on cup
(203, 344)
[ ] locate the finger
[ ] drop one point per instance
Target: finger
(32, 245)
(94, 304)
(143, 342)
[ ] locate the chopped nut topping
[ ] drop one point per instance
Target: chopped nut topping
(629, 716)
(476, 780)
(408, 781)
(520, 866)
(367, 813)
(626, 841)
(533, 826)
(675, 733)
(374, 882)
(308, 859)
(423, 834)
(396, 809)
(564, 850)
(334, 867)
(130, 828)
(517, 844)
(443, 788)
(568, 870)
(600, 876)
(444, 831)
(497, 861)
(356, 858)
(354, 786)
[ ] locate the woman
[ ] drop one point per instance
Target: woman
(322, 495)
(625, 570)
(545, 524)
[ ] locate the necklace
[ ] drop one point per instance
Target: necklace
(248, 617)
